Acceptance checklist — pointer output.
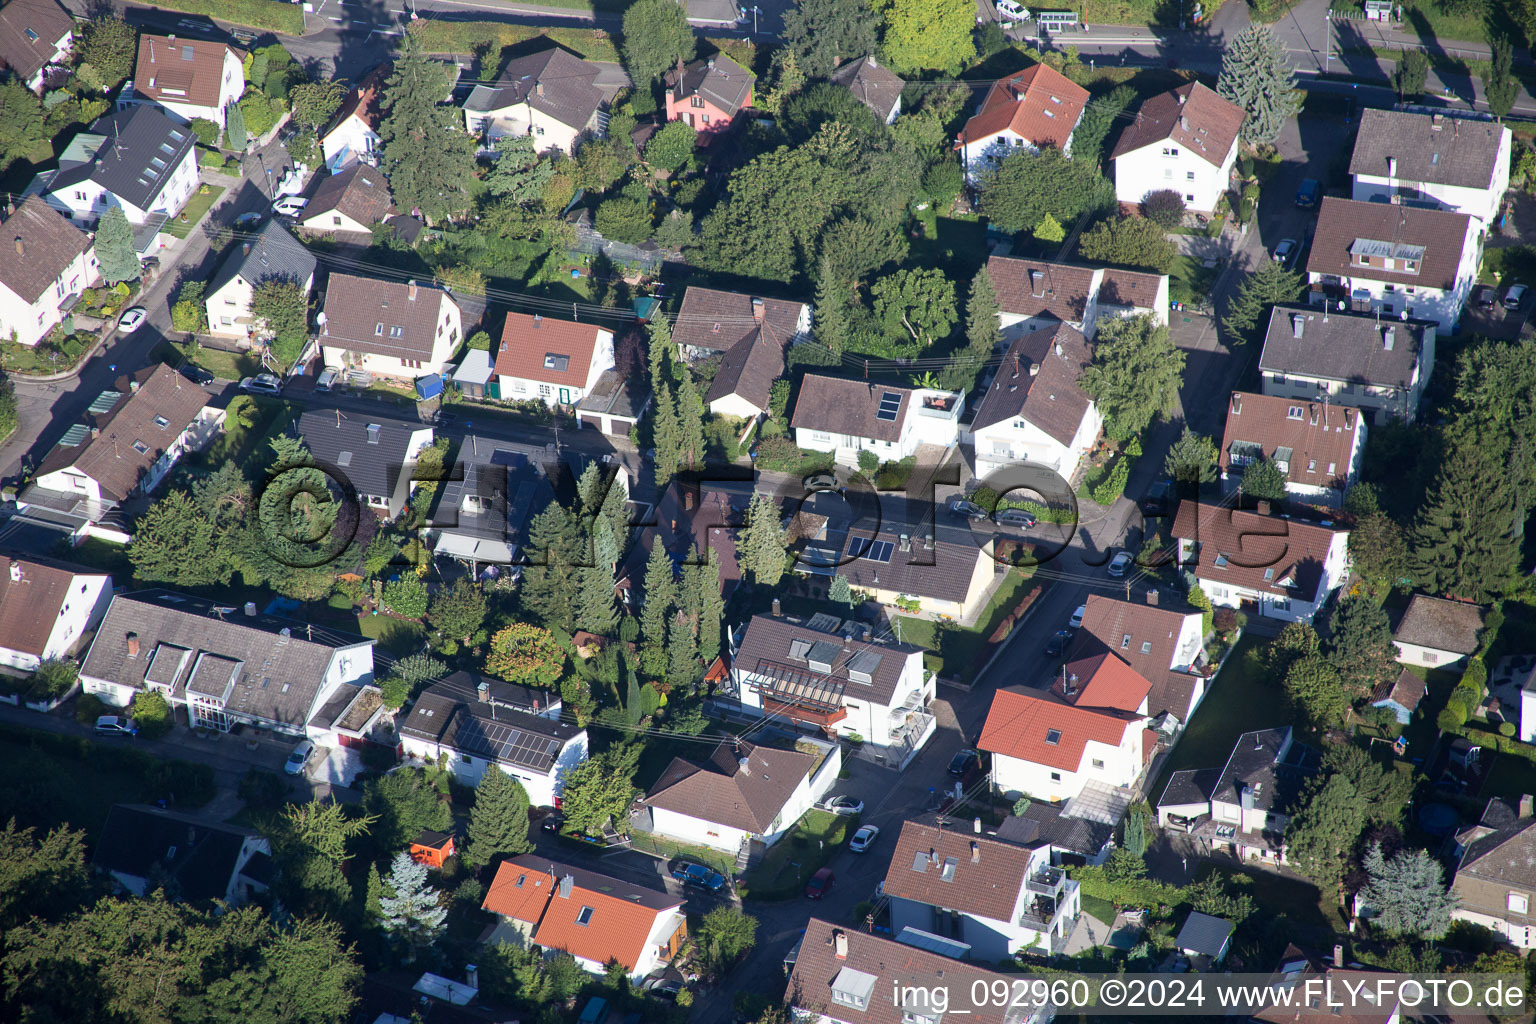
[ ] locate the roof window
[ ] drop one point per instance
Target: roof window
(1053, 736)
(584, 916)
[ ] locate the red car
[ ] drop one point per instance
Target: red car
(820, 882)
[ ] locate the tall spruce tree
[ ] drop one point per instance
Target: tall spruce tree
(412, 909)
(498, 823)
(831, 309)
(982, 332)
(760, 544)
(683, 650)
(114, 247)
(555, 549)
(711, 607)
(1464, 543)
(1257, 75)
(656, 609)
(690, 425)
(666, 436)
(428, 157)
(659, 347)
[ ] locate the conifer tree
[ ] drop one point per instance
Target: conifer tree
(114, 247)
(659, 348)
(710, 606)
(760, 544)
(683, 650)
(1257, 75)
(1463, 543)
(982, 332)
(498, 823)
(656, 608)
(554, 548)
(428, 157)
(831, 309)
(666, 435)
(412, 909)
(234, 128)
(690, 425)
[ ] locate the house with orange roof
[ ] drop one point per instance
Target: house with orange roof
(595, 918)
(550, 360)
(1028, 110)
(1089, 729)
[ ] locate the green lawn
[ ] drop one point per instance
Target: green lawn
(796, 857)
(197, 207)
(401, 636)
(1101, 909)
(955, 651)
(223, 365)
(1190, 281)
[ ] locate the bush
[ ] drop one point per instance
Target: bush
(943, 182)
(1506, 728)
(1452, 718)
(407, 596)
(52, 680)
(207, 132)
(1164, 208)
(152, 713)
(189, 314)
(480, 340)
(90, 707)
(263, 789)
(1476, 674)
(672, 145)
(868, 462)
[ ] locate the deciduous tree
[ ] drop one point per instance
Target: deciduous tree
(315, 103)
(1135, 374)
(656, 37)
(600, 789)
(672, 145)
(1129, 242)
(1027, 187)
(527, 654)
(917, 306)
(929, 35)
(1410, 75)
(106, 45)
(1499, 85)
(825, 33)
(458, 611)
(724, 936)
(280, 307)
(1257, 75)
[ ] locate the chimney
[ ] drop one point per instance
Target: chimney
(245, 248)
(483, 691)
(413, 291)
(1527, 805)
(567, 883)
(539, 88)
(21, 247)
(133, 645)
(15, 571)
(710, 63)
(133, 387)
(1237, 404)
(778, 610)
(976, 825)
(1338, 954)
(1184, 122)
(1388, 339)
(1262, 508)
(1436, 122)
(1069, 684)
(1391, 168)
(472, 976)
(171, 38)
(538, 321)
(745, 764)
(1152, 597)
(840, 944)
(1298, 325)
(250, 607)
(975, 850)
(1034, 369)
(757, 309)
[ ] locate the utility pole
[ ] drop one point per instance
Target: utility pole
(1327, 41)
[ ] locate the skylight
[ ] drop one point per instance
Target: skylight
(1053, 736)
(584, 917)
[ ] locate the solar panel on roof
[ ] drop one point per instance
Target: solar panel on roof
(890, 402)
(879, 550)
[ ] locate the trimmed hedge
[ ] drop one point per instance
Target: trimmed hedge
(271, 15)
(465, 37)
(192, 784)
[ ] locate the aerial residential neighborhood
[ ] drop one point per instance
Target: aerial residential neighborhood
(824, 512)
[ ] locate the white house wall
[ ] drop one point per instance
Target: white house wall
(28, 323)
(1121, 767)
(1482, 203)
(354, 137)
(1421, 303)
(521, 119)
(1168, 165)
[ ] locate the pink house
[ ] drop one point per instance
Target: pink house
(708, 94)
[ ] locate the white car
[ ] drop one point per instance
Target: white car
(1119, 564)
(1008, 10)
(114, 725)
(844, 806)
(289, 206)
(327, 379)
(132, 319)
(1076, 621)
(863, 838)
(299, 759)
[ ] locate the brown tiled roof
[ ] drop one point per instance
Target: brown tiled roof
(109, 456)
(30, 606)
(769, 644)
(1406, 690)
(49, 244)
(181, 69)
(1041, 288)
(875, 86)
(1428, 148)
(1109, 620)
(1133, 288)
(1192, 116)
(360, 192)
(546, 349)
(943, 573)
(1318, 435)
(713, 319)
(1020, 722)
(1304, 969)
(1039, 103)
(554, 82)
(722, 791)
(1049, 398)
(893, 965)
(1341, 222)
(749, 369)
(363, 100)
(1342, 346)
(986, 879)
(1276, 555)
(1444, 625)
(28, 31)
(719, 79)
(362, 312)
(841, 406)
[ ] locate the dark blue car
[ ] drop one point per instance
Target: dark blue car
(699, 875)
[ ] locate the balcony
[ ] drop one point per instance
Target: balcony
(1047, 882)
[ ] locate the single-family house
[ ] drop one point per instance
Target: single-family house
(750, 334)
(1495, 881)
(136, 158)
(398, 329)
(130, 438)
(1205, 938)
(997, 898)
(744, 798)
(480, 724)
(551, 96)
(35, 35)
(1035, 295)
(49, 263)
(46, 609)
(353, 133)
(1437, 633)
(872, 84)
(1034, 411)
(145, 848)
(1438, 160)
(549, 360)
(845, 975)
(482, 517)
(1274, 566)
(1241, 808)
(224, 665)
(1028, 110)
(1394, 259)
(187, 77)
(1183, 141)
(1161, 638)
(1379, 367)
(849, 417)
(272, 254)
(1090, 728)
(1315, 978)
(352, 722)
(1401, 695)
(352, 201)
(708, 94)
(827, 675)
(1316, 446)
(374, 452)
(595, 918)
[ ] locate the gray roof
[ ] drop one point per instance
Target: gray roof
(272, 252)
(741, 785)
(28, 31)
(1265, 770)
(783, 650)
(262, 666)
(369, 448)
(554, 82)
(1506, 855)
(511, 489)
(1190, 786)
(877, 87)
(1428, 148)
(1342, 346)
(451, 714)
(1043, 823)
(1440, 624)
(718, 79)
(1203, 933)
(197, 856)
(127, 145)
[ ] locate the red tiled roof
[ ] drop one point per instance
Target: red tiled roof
(1103, 681)
(1039, 103)
(1019, 721)
(1193, 116)
(1321, 439)
(528, 343)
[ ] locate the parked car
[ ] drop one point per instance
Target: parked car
(1484, 297)
(299, 759)
(1056, 646)
(247, 221)
(327, 379)
(262, 384)
(1119, 564)
(963, 509)
(1513, 296)
(1076, 621)
(289, 206)
(863, 838)
(820, 482)
(699, 876)
(552, 822)
(116, 725)
(1285, 252)
(845, 806)
(1016, 517)
(1309, 193)
(132, 319)
(196, 374)
(1159, 497)
(820, 882)
(963, 762)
